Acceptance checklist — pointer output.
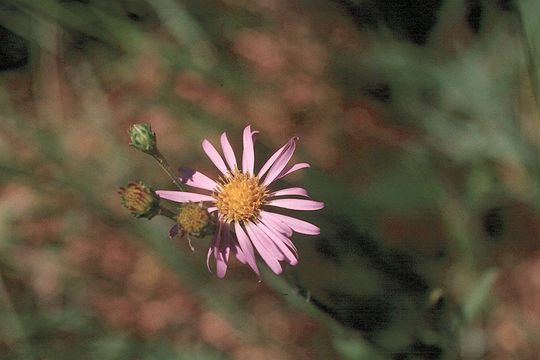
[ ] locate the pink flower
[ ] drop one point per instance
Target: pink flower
(244, 202)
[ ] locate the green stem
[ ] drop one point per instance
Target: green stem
(167, 213)
(165, 166)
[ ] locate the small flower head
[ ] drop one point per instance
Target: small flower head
(193, 219)
(143, 138)
(139, 200)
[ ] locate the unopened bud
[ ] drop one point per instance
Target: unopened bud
(140, 200)
(143, 138)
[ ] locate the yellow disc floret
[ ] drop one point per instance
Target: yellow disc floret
(239, 196)
(192, 218)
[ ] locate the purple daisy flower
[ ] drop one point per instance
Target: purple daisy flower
(244, 203)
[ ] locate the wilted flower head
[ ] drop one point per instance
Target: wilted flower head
(139, 200)
(244, 202)
(142, 137)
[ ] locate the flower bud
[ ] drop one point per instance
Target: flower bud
(193, 219)
(140, 200)
(143, 138)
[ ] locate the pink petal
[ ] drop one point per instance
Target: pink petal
(268, 257)
(300, 226)
(264, 241)
(221, 265)
(289, 191)
(275, 223)
(281, 161)
(210, 249)
(237, 251)
(278, 240)
(270, 162)
(228, 152)
(248, 156)
(212, 153)
(220, 248)
(246, 247)
(211, 209)
(196, 179)
(174, 231)
(217, 240)
(296, 204)
(291, 169)
(182, 196)
(223, 250)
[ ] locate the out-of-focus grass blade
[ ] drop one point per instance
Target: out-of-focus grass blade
(476, 299)
(528, 12)
(86, 19)
(177, 19)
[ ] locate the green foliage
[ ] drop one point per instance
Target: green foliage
(426, 157)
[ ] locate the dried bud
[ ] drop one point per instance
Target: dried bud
(193, 219)
(143, 138)
(140, 200)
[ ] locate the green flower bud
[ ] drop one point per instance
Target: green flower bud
(143, 138)
(140, 200)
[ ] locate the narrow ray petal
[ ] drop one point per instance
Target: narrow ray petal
(300, 226)
(182, 196)
(222, 259)
(268, 244)
(275, 223)
(210, 249)
(237, 251)
(214, 156)
(279, 240)
(221, 265)
(211, 209)
(228, 152)
(247, 248)
(248, 156)
(270, 161)
(254, 136)
(291, 169)
(296, 204)
(213, 246)
(289, 191)
(281, 162)
(266, 254)
(196, 179)
(217, 240)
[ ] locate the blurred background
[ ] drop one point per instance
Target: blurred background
(420, 121)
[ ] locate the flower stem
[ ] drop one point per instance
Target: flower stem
(165, 166)
(167, 213)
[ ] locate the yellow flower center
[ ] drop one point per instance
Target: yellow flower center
(192, 218)
(239, 196)
(137, 198)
